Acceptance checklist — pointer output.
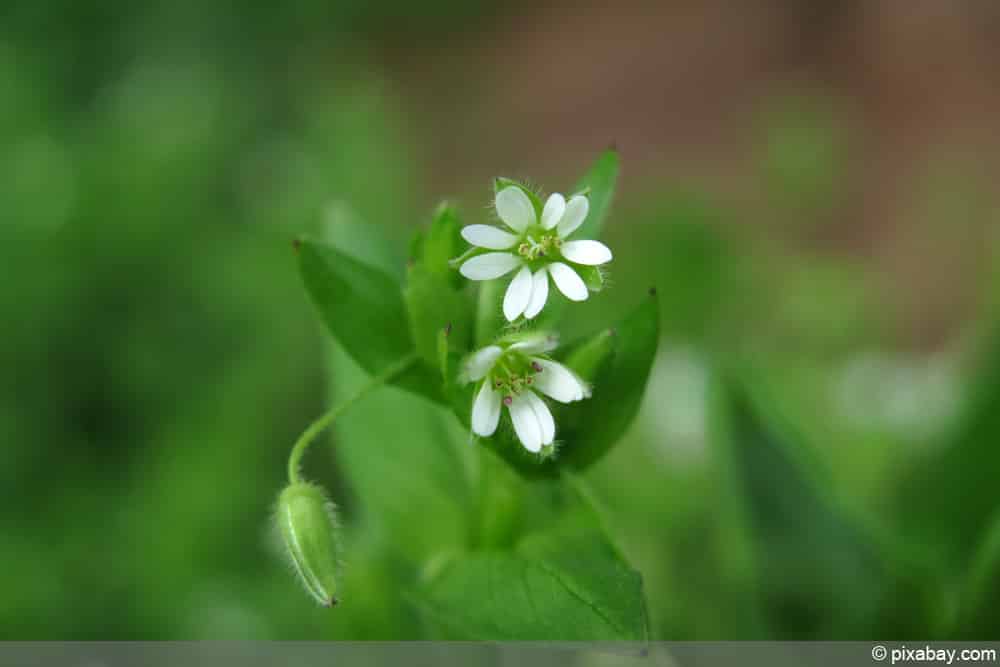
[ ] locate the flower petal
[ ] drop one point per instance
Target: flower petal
(515, 209)
(488, 236)
(518, 295)
(526, 425)
(489, 266)
(539, 293)
(568, 282)
(555, 206)
(590, 253)
(537, 343)
(545, 421)
(480, 363)
(576, 212)
(559, 382)
(486, 411)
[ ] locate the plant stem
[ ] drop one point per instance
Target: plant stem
(321, 423)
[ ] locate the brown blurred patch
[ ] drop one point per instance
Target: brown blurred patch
(679, 88)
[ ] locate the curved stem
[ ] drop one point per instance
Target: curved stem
(321, 423)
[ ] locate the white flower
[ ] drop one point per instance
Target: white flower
(535, 248)
(509, 374)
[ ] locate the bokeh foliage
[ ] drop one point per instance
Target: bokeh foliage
(159, 356)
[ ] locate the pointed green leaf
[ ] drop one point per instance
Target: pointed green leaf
(600, 180)
(822, 571)
(948, 497)
(978, 618)
(432, 304)
(442, 242)
(591, 427)
(549, 587)
(363, 308)
(363, 241)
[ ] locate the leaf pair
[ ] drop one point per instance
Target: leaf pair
(563, 582)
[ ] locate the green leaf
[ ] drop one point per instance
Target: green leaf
(440, 243)
(591, 427)
(365, 242)
(433, 294)
(948, 496)
(551, 587)
(590, 358)
(490, 321)
(363, 308)
(977, 618)
(432, 305)
(600, 180)
(822, 571)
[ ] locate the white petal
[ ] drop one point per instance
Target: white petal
(488, 236)
(591, 253)
(489, 266)
(568, 282)
(480, 363)
(515, 209)
(518, 295)
(526, 425)
(545, 421)
(539, 293)
(576, 213)
(537, 343)
(555, 205)
(486, 411)
(559, 382)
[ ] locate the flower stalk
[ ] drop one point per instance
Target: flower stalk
(325, 420)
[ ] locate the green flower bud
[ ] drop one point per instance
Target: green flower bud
(308, 527)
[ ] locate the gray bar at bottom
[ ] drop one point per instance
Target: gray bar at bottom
(503, 654)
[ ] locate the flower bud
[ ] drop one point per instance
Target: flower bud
(308, 527)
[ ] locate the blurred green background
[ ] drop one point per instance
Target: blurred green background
(810, 185)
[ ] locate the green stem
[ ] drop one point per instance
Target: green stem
(317, 427)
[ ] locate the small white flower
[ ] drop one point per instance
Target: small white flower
(537, 249)
(509, 374)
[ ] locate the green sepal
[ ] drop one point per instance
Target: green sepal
(593, 276)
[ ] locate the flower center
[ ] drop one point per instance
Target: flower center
(538, 244)
(512, 374)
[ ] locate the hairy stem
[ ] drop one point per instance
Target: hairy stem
(321, 423)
